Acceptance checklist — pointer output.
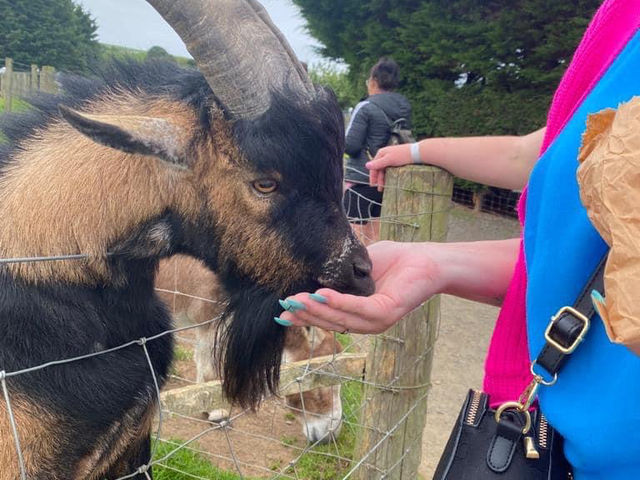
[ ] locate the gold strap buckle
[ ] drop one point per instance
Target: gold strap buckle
(576, 342)
(518, 407)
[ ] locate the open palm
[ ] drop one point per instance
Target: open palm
(404, 276)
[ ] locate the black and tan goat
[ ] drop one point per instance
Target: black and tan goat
(239, 166)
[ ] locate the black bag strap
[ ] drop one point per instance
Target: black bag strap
(564, 333)
(391, 123)
(569, 325)
(562, 336)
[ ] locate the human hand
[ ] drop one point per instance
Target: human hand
(405, 276)
(393, 156)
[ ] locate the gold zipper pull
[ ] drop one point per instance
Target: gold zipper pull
(530, 449)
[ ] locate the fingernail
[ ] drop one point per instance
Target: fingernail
(317, 297)
(599, 303)
(282, 321)
(368, 164)
(295, 305)
(284, 304)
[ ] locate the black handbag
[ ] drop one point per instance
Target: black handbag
(514, 441)
(478, 449)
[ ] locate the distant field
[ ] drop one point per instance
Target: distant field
(117, 51)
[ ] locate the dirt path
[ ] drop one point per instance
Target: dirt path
(465, 330)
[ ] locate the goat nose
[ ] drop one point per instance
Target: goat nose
(361, 267)
(361, 271)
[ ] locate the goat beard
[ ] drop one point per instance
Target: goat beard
(250, 346)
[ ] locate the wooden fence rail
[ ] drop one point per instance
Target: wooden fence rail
(16, 84)
(295, 377)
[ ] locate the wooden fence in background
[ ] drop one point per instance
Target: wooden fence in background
(16, 82)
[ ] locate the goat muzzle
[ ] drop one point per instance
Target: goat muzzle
(350, 272)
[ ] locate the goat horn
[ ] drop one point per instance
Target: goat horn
(238, 49)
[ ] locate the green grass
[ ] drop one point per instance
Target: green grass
(182, 353)
(344, 339)
(179, 353)
(17, 105)
(289, 440)
(188, 461)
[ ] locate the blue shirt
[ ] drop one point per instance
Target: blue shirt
(594, 403)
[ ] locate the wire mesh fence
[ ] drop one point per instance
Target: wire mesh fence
(488, 199)
(368, 392)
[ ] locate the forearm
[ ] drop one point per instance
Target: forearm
(497, 161)
(479, 271)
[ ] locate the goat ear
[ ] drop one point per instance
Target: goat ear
(132, 134)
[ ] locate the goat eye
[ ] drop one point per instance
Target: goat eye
(265, 186)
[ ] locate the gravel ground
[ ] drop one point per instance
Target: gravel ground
(465, 330)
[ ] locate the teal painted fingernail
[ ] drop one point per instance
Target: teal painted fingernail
(317, 297)
(284, 304)
(282, 321)
(598, 301)
(295, 305)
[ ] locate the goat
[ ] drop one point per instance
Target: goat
(201, 299)
(238, 166)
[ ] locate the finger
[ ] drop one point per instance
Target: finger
(341, 322)
(304, 320)
(379, 162)
(336, 311)
(373, 177)
(381, 180)
(376, 308)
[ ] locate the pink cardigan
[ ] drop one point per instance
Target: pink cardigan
(507, 363)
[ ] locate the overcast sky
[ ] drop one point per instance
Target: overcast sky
(135, 24)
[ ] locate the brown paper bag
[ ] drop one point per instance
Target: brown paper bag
(609, 180)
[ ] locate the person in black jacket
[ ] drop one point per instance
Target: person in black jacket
(369, 129)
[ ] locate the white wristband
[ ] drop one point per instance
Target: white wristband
(415, 153)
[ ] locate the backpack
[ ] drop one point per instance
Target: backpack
(398, 131)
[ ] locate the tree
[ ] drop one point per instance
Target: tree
(158, 53)
(469, 67)
(47, 32)
(329, 75)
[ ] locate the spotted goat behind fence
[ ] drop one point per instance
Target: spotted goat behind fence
(238, 166)
(195, 297)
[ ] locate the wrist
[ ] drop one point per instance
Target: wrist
(479, 271)
(441, 258)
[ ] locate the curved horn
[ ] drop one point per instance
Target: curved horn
(238, 49)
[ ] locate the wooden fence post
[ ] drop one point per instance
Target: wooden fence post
(8, 83)
(48, 80)
(415, 208)
(33, 79)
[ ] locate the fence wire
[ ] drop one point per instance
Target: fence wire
(270, 443)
